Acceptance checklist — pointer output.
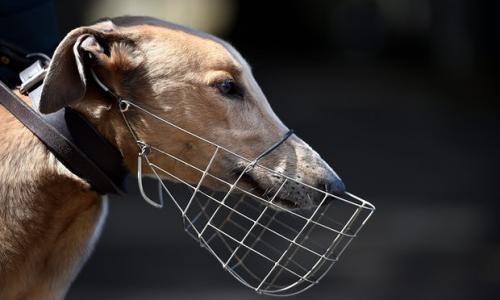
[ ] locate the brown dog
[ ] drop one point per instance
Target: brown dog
(50, 218)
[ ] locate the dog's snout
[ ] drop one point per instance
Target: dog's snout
(333, 185)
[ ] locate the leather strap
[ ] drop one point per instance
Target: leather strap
(74, 142)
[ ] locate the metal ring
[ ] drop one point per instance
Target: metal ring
(43, 56)
(124, 105)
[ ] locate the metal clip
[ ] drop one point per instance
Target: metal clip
(145, 148)
(31, 76)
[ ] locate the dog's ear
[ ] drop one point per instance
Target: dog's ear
(66, 79)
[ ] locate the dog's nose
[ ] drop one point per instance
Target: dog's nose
(333, 185)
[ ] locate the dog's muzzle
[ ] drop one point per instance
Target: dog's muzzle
(265, 242)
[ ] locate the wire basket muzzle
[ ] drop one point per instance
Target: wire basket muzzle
(266, 245)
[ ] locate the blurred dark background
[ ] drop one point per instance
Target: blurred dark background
(402, 97)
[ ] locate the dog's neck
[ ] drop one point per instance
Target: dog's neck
(47, 214)
(39, 160)
(30, 168)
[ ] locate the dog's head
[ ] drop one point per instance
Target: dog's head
(195, 81)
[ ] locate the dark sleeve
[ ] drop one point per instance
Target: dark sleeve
(30, 25)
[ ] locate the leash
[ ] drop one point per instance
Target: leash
(66, 133)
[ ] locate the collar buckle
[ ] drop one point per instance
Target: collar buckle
(32, 76)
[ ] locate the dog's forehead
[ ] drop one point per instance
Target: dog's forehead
(221, 53)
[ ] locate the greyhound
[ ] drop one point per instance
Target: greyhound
(50, 219)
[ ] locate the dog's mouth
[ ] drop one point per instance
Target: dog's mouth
(250, 184)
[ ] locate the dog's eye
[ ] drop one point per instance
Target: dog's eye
(229, 88)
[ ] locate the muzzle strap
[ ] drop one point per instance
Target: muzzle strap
(276, 145)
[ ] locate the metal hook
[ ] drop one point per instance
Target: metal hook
(145, 149)
(141, 187)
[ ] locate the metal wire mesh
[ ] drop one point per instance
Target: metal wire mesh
(269, 248)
